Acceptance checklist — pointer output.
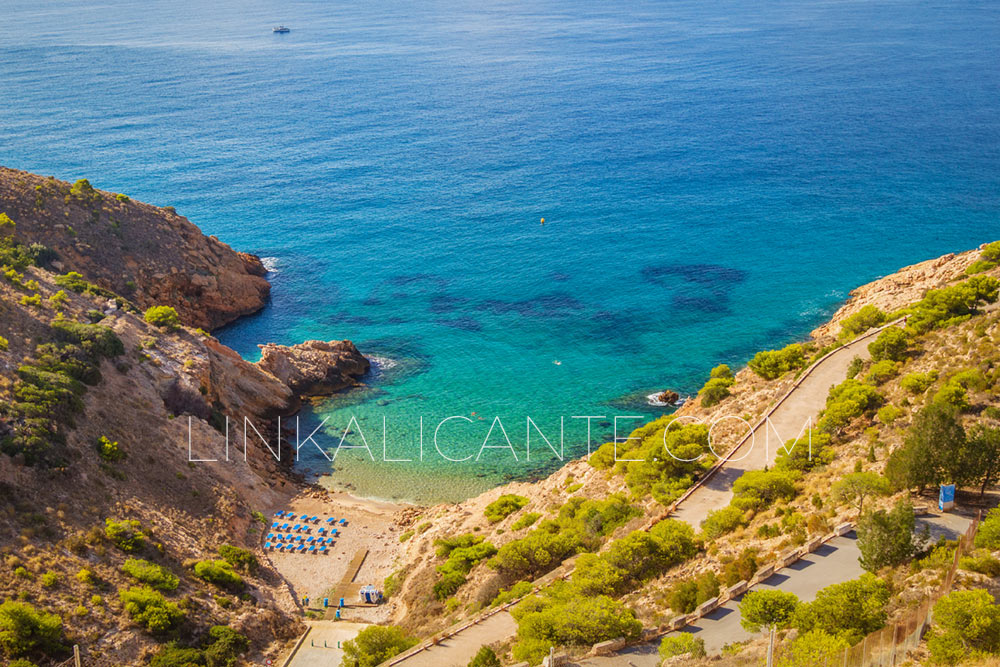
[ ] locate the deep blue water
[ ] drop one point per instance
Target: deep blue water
(715, 177)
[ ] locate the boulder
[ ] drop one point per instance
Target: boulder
(315, 367)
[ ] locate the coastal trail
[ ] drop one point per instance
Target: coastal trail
(783, 421)
(788, 419)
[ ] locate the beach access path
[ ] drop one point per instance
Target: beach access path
(785, 421)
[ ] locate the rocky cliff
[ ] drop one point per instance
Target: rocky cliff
(148, 255)
(106, 417)
(315, 367)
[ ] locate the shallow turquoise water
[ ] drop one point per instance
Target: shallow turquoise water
(714, 177)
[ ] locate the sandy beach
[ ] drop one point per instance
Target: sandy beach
(372, 526)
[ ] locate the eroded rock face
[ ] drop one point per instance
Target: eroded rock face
(901, 288)
(149, 255)
(315, 367)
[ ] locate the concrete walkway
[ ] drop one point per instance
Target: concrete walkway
(320, 649)
(804, 403)
(461, 648)
(834, 562)
(788, 421)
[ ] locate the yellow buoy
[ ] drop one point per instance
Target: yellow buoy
(543, 221)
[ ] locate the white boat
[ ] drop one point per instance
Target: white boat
(280, 28)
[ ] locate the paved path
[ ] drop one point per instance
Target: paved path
(461, 648)
(834, 562)
(787, 421)
(313, 652)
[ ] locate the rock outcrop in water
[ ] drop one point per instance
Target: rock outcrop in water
(315, 367)
(149, 255)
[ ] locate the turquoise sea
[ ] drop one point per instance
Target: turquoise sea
(714, 176)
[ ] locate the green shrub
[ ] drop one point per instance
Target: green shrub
(868, 317)
(95, 339)
(763, 609)
(851, 609)
(741, 569)
(685, 596)
(239, 558)
(50, 579)
(951, 305)
(151, 574)
(109, 451)
(534, 554)
(982, 562)
(25, 631)
(173, 655)
(889, 413)
(714, 391)
(463, 554)
(86, 577)
(771, 364)
(150, 609)
(220, 573)
(810, 451)
(224, 646)
(504, 506)
(758, 489)
(163, 316)
(814, 648)
(374, 645)
(122, 197)
(846, 402)
(4, 344)
(682, 643)
(885, 539)
(882, 371)
(988, 536)
(857, 363)
(518, 590)
(84, 191)
(486, 657)
(642, 555)
(525, 520)
(991, 252)
(722, 521)
(890, 345)
(406, 536)
(979, 266)
(966, 626)
(564, 619)
(669, 456)
(126, 534)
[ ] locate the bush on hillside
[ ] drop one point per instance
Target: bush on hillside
(374, 645)
(890, 345)
(867, 318)
(25, 630)
(771, 364)
(683, 643)
(851, 609)
(165, 317)
(885, 539)
(126, 534)
(504, 506)
(150, 609)
(966, 625)
(219, 573)
(151, 574)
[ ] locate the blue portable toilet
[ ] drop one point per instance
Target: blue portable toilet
(338, 614)
(326, 602)
(341, 602)
(946, 499)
